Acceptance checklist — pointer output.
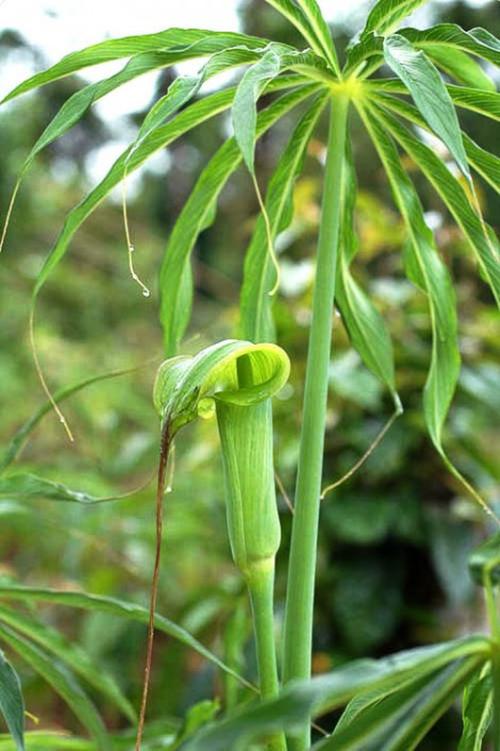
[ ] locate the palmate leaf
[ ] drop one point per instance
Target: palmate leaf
(365, 325)
(255, 303)
(11, 702)
(429, 94)
(459, 66)
(120, 608)
(276, 59)
(447, 45)
(483, 162)
(70, 654)
(485, 103)
(185, 88)
(450, 36)
(301, 699)
(62, 681)
(429, 273)
(162, 136)
(76, 106)
(398, 719)
(114, 49)
(295, 15)
(312, 12)
(199, 209)
(185, 121)
(386, 15)
(477, 708)
(485, 246)
(486, 164)
(430, 705)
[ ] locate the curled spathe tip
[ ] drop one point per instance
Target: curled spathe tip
(186, 386)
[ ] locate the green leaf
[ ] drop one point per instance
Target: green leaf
(255, 302)
(484, 562)
(459, 65)
(450, 36)
(76, 106)
(429, 94)
(302, 699)
(312, 12)
(185, 88)
(370, 45)
(364, 324)
(295, 15)
(71, 654)
(27, 485)
(114, 49)
(244, 113)
(486, 164)
(484, 246)
(485, 103)
(277, 58)
(430, 705)
(388, 719)
(433, 276)
(18, 440)
(477, 708)
(198, 209)
(11, 702)
(116, 607)
(386, 15)
(62, 681)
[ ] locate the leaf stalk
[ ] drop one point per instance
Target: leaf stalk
(302, 565)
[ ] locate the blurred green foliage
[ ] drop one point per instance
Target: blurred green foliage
(394, 539)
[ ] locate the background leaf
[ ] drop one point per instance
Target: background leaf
(11, 702)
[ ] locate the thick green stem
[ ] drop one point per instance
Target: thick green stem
(492, 608)
(495, 674)
(260, 581)
(302, 567)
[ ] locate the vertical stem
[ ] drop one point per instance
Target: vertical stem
(260, 582)
(491, 594)
(302, 566)
(495, 674)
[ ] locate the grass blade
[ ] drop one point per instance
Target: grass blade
(27, 485)
(477, 709)
(11, 702)
(70, 654)
(16, 443)
(120, 608)
(62, 681)
(327, 692)
(431, 705)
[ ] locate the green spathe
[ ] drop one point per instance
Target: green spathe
(238, 378)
